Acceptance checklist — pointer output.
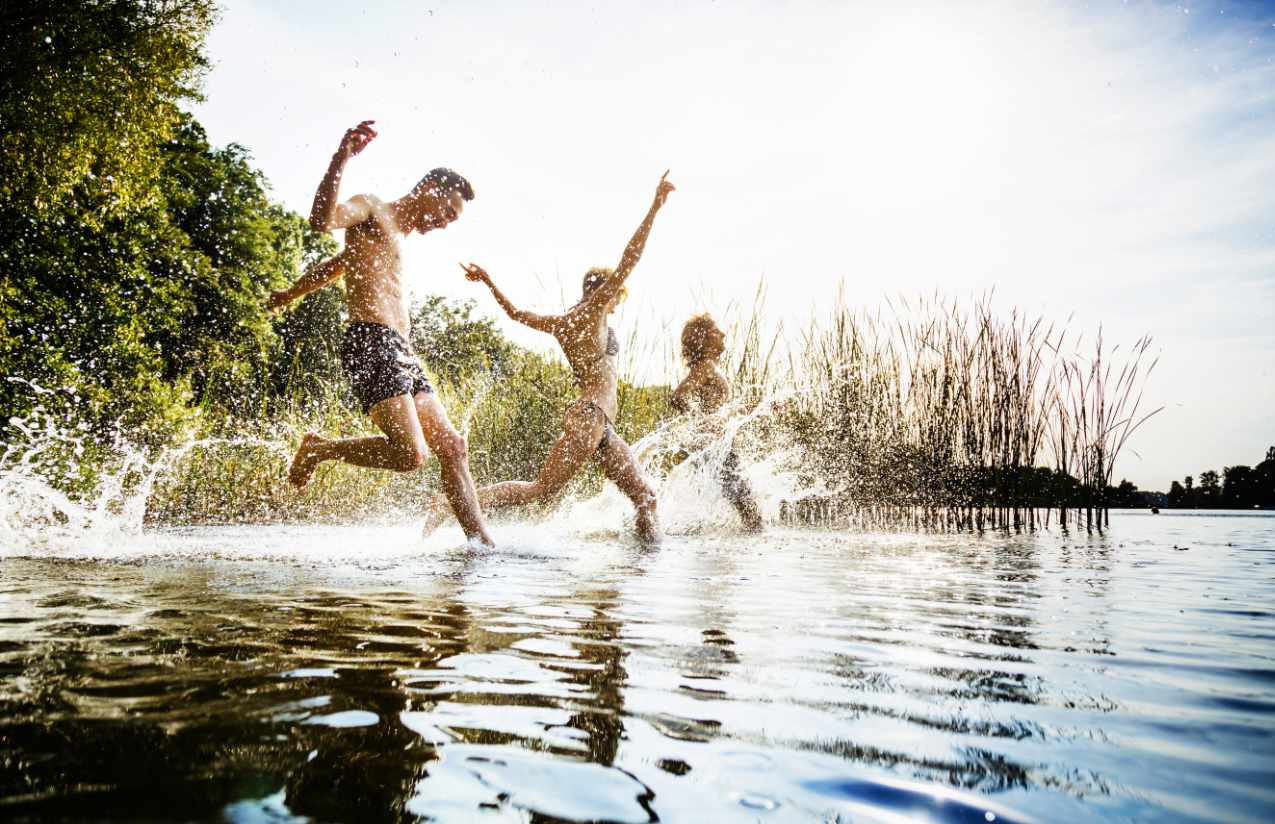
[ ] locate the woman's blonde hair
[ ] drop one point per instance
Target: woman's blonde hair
(597, 276)
(694, 336)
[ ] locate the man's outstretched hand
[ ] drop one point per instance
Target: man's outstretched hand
(356, 139)
(278, 299)
(475, 273)
(662, 191)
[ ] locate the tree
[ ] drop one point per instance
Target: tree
(238, 245)
(160, 305)
(1210, 492)
(1177, 496)
(1237, 487)
(88, 96)
(453, 344)
(1263, 484)
(1124, 495)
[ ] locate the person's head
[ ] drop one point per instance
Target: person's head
(597, 276)
(702, 339)
(437, 200)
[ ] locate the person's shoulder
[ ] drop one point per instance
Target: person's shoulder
(380, 218)
(371, 202)
(711, 371)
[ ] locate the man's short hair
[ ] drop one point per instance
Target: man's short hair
(448, 181)
(695, 335)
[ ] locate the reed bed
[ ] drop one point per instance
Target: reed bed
(937, 414)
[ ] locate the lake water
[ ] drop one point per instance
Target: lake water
(358, 674)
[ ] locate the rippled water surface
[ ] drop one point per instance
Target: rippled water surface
(356, 674)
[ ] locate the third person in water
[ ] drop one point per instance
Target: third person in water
(704, 390)
(588, 431)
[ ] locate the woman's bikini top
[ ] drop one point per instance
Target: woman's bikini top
(612, 349)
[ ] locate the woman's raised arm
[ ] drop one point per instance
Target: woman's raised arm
(544, 323)
(633, 252)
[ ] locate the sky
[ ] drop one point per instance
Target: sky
(1101, 165)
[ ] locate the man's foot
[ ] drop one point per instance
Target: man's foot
(438, 512)
(306, 460)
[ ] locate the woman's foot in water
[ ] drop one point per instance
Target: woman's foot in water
(750, 515)
(647, 525)
(309, 456)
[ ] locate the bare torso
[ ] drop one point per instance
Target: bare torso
(583, 336)
(704, 388)
(374, 270)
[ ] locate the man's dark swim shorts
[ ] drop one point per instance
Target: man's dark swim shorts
(381, 364)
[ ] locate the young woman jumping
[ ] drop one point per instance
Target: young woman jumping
(590, 347)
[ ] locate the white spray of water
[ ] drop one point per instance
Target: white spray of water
(686, 460)
(106, 517)
(46, 458)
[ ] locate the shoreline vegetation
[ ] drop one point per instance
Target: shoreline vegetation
(136, 352)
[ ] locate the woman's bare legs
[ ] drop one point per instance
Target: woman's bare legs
(620, 466)
(582, 429)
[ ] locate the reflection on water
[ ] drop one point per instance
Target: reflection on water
(280, 673)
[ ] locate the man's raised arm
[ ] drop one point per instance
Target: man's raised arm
(326, 214)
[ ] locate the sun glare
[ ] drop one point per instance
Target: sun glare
(924, 111)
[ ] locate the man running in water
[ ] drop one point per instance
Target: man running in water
(386, 375)
(704, 390)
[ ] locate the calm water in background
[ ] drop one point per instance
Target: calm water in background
(266, 673)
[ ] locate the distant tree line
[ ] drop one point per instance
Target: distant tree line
(1238, 487)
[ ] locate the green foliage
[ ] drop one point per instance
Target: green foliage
(454, 345)
(306, 359)
(161, 304)
(88, 93)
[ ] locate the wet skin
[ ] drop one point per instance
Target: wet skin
(582, 333)
(371, 264)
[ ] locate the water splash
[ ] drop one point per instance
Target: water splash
(65, 493)
(61, 489)
(689, 460)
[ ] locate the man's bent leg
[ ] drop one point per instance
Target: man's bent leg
(570, 452)
(402, 448)
(453, 459)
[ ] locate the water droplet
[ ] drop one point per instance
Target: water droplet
(757, 802)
